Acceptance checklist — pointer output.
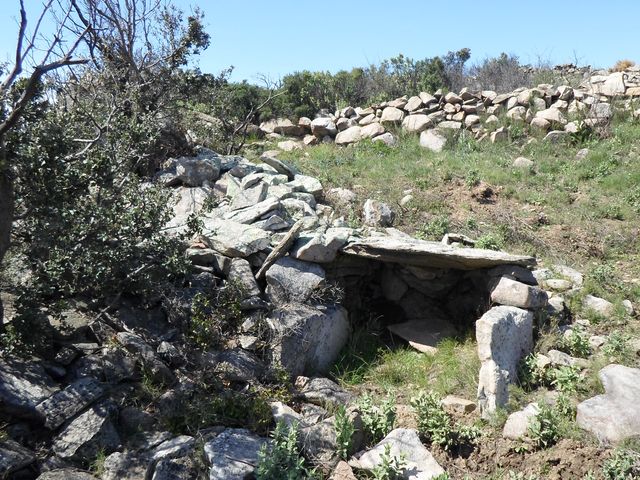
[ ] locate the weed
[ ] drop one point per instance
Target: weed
(344, 431)
(282, 460)
(435, 229)
(378, 420)
(489, 242)
(436, 425)
(575, 343)
(544, 430)
(616, 346)
(530, 373)
(390, 467)
(97, 465)
(215, 316)
(623, 465)
(564, 378)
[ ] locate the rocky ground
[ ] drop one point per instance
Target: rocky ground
(192, 385)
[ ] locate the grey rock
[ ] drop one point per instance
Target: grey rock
(392, 116)
(323, 392)
(135, 345)
(516, 294)
(242, 276)
(410, 251)
(285, 414)
(560, 358)
(14, 457)
(419, 463)
(280, 166)
(65, 404)
(350, 135)
(416, 123)
(307, 184)
(615, 415)
(87, 434)
(458, 405)
(252, 213)
(23, 385)
(378, 214)
(323, 126)
(66, 474)
(126, 466)
(517, 424)
(194, 171)
(599, 305)
(233, 454)
(320, 247)
(306, 339)
(238, 365)
(291, 280)
(175, 469)
(433, 140)
(504, 336)
(234, 239)
(523, 163)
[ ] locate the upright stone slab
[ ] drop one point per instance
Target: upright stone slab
(504, 336)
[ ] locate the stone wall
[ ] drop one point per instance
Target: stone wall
(546, 108)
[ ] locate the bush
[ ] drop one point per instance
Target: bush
(502, 74)
(622, 65)
(282, 461)
(623, 465)
(390, 466)
(575, 343)
(344, 431)
(544, 428)
(378, 420)
(436, 425)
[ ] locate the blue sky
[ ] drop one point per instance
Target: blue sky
(278, 37)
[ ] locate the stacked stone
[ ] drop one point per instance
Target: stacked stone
(546, 108)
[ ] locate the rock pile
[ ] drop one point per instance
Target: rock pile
(302, 277)
(546, 108)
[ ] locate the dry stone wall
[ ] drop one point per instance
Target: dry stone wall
(555, 110)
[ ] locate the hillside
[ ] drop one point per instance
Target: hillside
(442, 282)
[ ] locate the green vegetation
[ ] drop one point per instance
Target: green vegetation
(437, 427)
(215, 316)
(282, 460)
(390, 467)
(378, 420)
(344, 431)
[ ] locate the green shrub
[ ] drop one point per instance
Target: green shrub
(564, 378)
(214, 316)
(378, 420)
(544, 428)
(489, 242)
(575, 343)
(616, 345)
(390, 466)
(282, 460)
(436, 425)
(623, 465)
(435, 229)
(344, 431)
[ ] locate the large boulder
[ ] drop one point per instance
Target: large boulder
(615, 415)
(516, 294)
(234, 239)
(63, 405)
(323, 126)
(306, 339)
(14, 457)
(377, 214)
(416, 123)
(392, 116)
(350, 135)
(291, 280)
(88, 434)
(195, 171)
(504, 336)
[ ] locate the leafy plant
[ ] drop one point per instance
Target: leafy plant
(282, 460)
(390, 467)
(623, 465)
(378, 420)
(616, 344)
(344, 431)
(435, 229)
(565, 378)
(530, 373)
(436, 425)
(544, 428)
(489, 242)
(575, 343)
(215, 315)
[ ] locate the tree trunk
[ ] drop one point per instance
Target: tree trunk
(6, 219)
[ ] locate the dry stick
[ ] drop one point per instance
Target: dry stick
(282, 248)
